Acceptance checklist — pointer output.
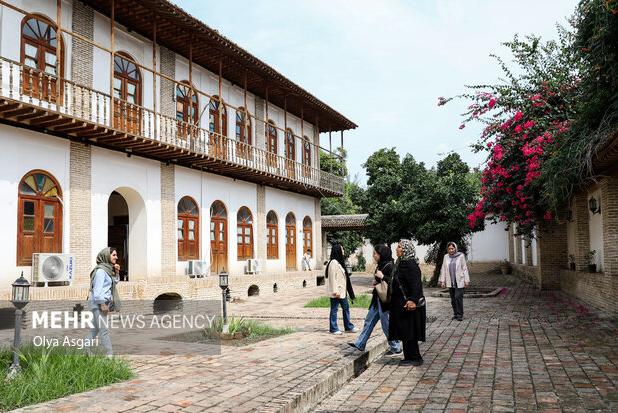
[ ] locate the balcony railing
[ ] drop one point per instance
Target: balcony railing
(31, 88)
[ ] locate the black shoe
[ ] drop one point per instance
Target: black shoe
(459, 319)
(353, 345)
(406, 363)
(393, 353)
(454, 317)
(417, 362)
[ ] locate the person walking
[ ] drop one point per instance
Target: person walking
(454, 275)
(103, 296)
(338, 286)
(407, 307)
(378, 311)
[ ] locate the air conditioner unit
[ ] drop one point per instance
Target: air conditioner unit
(252, 267)
(48, 268)
(197, 268)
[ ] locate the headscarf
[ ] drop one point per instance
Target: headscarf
(409, 252)
(456, 253)
(385, 253)
(104, 262)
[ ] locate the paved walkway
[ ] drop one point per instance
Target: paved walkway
(273, 375)
(525, 350)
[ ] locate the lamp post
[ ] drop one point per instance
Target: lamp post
(223, 283)
(19, 298)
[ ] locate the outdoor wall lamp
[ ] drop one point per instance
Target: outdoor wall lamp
(223, 283)
(20, 298)
(593, 206)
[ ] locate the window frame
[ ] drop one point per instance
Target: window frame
(185, 251)
(272, 236)
(244, 250)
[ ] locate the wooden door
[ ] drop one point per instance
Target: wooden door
(188, 237)
(271, 141)
(243, 135)
(290, 154)
(272, 246)
(127, 96)
(218, 245)
(217, 126)
(290, 247)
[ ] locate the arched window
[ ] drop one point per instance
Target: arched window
(218, 237)
(306, 156)
(39, 53)
(127, 93)
(290, 242)
(272, 236)
(187, 107)
(271, 143)
(188, 229)
(39, 216)
(307, 235)
(290, 145)
(244, 233)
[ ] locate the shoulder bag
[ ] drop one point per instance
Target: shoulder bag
(382, 290)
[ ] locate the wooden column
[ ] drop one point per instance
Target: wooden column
(154, 74)
(111, 63)
(59, 52)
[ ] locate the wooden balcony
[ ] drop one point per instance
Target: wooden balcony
(41, 102)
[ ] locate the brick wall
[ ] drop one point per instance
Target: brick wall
(598, 289)
(527, 273)
(80, 170)
(491, 267)
(82, 60)
(261, 223)
(168, 220)
(609, 210)
(582, 230)
(168, 89)
(552, 254)
(317, 235)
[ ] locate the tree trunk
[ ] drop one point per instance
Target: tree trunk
(433, 282)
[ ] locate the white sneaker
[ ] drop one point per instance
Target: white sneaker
(354, 330)
(337, 333)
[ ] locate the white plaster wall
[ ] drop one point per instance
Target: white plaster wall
(233, 193)
(491, 244)
(535, 258)
(21, 151)
(595, 222)
(282, 203)
(139, 181)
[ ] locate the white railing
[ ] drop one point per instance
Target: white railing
(33, 87)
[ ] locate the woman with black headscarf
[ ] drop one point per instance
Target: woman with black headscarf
(378, 311)
(338, 286)
(408, 314)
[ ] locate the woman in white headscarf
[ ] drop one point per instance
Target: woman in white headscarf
(408, 314)
(454, 275)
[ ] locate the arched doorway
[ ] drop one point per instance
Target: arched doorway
(126, 231)
(290, 242)
(218, 237)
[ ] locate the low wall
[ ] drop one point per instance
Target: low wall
(597, 289)
(486, 267)
(187, 288)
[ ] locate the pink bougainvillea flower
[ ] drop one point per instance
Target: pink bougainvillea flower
(529, 124)
(518, 116)
(492, 103)
(547, 216)
(462, 126)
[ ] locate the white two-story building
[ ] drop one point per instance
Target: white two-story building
(132, 124)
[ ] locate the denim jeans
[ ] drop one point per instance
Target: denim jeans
(375, 313)
(345, 307)
(100, 329)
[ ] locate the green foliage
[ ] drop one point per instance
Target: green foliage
(250, 329)
(362, 263)
(406, 200)
(349, 203)
(361, 301)
(49, 374)
(335, 164)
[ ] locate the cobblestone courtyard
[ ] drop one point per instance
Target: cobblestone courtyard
(524, 350)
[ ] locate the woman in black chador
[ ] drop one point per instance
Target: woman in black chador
(408, 313)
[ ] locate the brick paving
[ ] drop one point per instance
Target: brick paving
(525, 350)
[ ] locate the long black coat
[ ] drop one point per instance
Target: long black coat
(387, 270)
(407, 325)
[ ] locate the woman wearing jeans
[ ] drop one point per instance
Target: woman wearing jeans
(337, 284)
(378, 311)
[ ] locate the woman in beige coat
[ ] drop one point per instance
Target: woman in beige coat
(454, 275)
(336, 288)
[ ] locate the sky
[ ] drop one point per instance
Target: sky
(383, 64)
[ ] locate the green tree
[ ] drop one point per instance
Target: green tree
(404, 199)
(345, 205)
(334, 163)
